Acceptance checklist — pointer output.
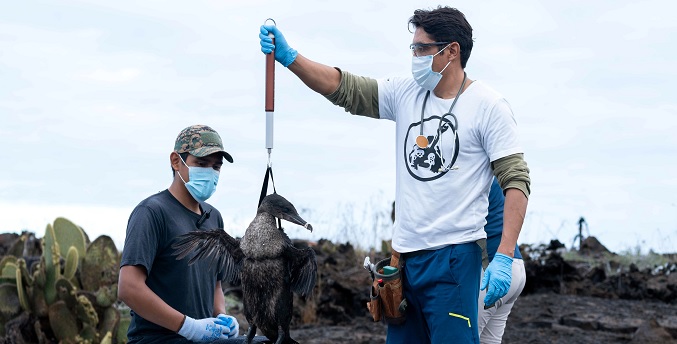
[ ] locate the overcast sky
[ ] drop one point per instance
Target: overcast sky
(93, 94)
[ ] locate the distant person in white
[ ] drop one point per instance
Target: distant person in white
(492, 320)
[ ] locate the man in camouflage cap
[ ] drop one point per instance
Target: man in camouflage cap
(200, 141)
(171, 301)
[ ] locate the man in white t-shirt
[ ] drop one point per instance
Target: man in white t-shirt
(453, 134)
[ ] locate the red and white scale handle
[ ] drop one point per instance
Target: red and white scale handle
(270, 94)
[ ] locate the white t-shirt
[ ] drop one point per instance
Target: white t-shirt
(434, 207)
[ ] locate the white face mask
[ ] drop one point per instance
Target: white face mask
(422, 70)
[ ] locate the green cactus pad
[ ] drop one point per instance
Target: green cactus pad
(5, 260)
(101, 265)
(62, 321)
(105, 296)
(26, 277)
(39, 274)
(23, 298)
(10, 275)
(40, 307)
(69, 234)
(87, 241)
(50, 251)
(88, 335)
(66, 292)
(108, 338)
(86, 312)
(10, 305)
(72, 259)
(111, 318)
(9, 271)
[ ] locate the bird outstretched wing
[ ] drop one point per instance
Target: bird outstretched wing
(217, 246)
(303, 267)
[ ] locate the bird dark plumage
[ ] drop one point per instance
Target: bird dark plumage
(266, 263)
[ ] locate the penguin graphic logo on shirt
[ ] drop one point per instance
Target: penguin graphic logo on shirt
(435, 160)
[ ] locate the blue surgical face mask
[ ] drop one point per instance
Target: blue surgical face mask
(422, 70)
(202, 181)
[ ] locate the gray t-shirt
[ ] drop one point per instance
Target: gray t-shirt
(154, 225)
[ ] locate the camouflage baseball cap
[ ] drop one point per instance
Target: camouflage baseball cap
(200, 141)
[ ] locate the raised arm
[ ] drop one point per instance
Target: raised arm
(320, 78)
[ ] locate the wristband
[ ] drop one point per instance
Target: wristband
(181, 324)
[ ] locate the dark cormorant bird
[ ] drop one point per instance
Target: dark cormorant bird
(265, 261)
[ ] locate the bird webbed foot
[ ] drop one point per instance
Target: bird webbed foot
(251, 332)
(283, 336)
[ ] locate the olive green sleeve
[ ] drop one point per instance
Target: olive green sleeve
(356, 94)
(512, 172)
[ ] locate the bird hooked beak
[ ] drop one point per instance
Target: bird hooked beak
(295, 218)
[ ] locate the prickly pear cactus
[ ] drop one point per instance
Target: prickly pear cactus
(107, 339)
(100, 266)
(8, 270)
(86, 312)
(50, 250)
(5, 260)
(88, 335)
(87, 241)
(111, 318)
(40, 307)
(10, 305)
(76, 304)
(63, 322)
(39, 274)
(26, 277)
(69, 235)
(106, 295)
(72, 259)
(66, 292)
(23, 298)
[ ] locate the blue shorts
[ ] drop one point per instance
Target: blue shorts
(441, 287)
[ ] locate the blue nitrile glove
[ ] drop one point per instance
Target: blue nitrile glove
(284, 54)
(497, 277)
(230, 322)
(203, 330)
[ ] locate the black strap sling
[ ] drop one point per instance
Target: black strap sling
(264, 190)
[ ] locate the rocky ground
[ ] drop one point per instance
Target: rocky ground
(556, 318)
(590, 298)
(542, 318)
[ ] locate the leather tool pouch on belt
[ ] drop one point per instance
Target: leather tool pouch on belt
(387, 296)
